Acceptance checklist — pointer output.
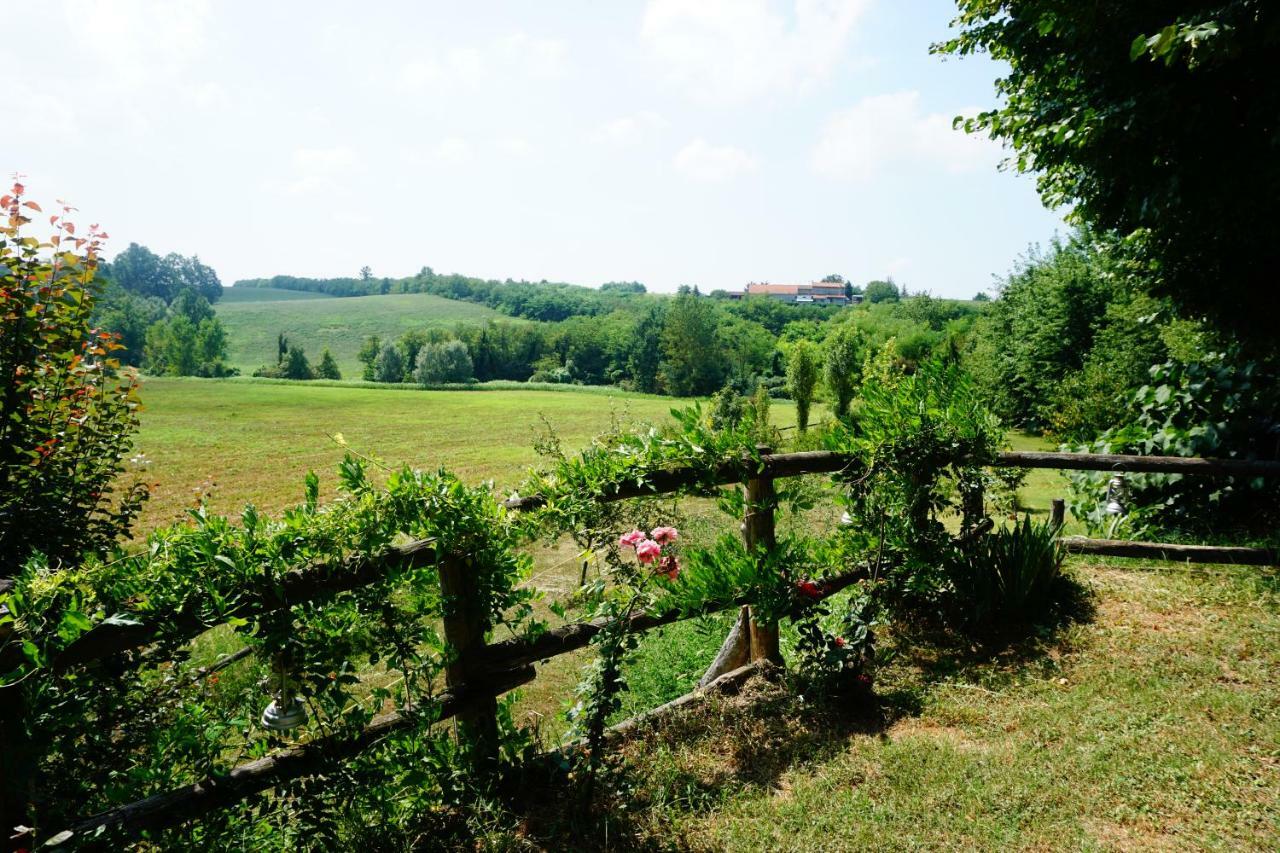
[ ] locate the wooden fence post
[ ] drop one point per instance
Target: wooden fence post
(758, 533)
(465, 626)
(972, 506)
(1058, 514)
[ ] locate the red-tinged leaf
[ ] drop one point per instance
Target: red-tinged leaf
(53, 220)
(70, 226)
(6, 200)
(33, 206)
(103, 234)
(18, 188)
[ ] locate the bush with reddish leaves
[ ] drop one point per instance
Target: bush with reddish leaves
(67, 412)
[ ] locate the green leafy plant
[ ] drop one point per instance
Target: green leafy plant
(68, 412)
(919, 443)
(1221, 406)
(1006, 577)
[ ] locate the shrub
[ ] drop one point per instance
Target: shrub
(389, 365)
(447, 362)
(295, 364)
(842, 366)
(328, 368)
(1223, 406)
(67, 412)
(1006, 577)
(802, 378)
(919, 444)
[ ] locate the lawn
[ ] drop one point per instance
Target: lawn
(341, 324)
(1152, 723)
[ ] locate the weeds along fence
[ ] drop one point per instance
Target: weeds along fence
(480, 671)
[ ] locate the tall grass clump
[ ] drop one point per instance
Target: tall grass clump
(1007, 578)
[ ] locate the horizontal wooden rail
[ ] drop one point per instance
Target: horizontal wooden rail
(1172, 552)
(303, 584)
(506, 665)
(827, 462)
(1141, 464)
(180, 805)
(316, 581)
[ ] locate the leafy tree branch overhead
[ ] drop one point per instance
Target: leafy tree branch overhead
(1157, 120)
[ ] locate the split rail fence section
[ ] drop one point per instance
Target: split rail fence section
(481, 670)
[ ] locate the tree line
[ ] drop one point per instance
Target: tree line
(161, 310)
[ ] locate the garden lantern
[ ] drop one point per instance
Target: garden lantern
(285, 711)
(1116, 496)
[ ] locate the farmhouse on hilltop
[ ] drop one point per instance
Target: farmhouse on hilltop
(813, 293)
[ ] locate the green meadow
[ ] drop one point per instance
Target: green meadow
(341, 324)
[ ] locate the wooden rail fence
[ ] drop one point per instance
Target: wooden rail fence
(481, 670)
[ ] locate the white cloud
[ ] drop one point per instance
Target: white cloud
(140, 39)
(629, 130)
(325, 160)
(515, 147)
(702, 161)
(886, 132)
(450, 151)
(513, 57)
(321, 169)
(735, 50)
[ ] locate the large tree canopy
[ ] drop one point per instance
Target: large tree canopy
(1158, 119)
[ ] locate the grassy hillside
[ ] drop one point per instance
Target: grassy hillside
(340, 324)
(265, 294)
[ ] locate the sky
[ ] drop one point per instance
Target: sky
(705, 142)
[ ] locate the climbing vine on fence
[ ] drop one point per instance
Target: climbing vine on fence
(136, 723)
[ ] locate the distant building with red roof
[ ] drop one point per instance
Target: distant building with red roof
(813, 293)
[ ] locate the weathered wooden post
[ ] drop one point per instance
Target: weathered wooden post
(760, 536)
(465, 624)
(972, 505)
(1058, 514)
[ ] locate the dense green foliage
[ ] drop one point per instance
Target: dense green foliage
(1154, 120)
(1223, 406)
(1006, 578)
(802, 378)
(171, 724)
(67, 411)
(442, 363)
(140, 271)
(161, 311)
(1069, 336)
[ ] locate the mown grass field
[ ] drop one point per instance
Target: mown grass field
(341, 324)
(241, 441)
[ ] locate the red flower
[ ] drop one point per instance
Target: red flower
(669, 567)
(809, 589)
(213, 679)
(840, 642)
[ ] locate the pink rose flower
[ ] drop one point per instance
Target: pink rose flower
(669, 567)
(664, 535)
(632, 539)
(647, 551)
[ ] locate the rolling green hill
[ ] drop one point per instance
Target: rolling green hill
(340, 324)
(266, 294)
